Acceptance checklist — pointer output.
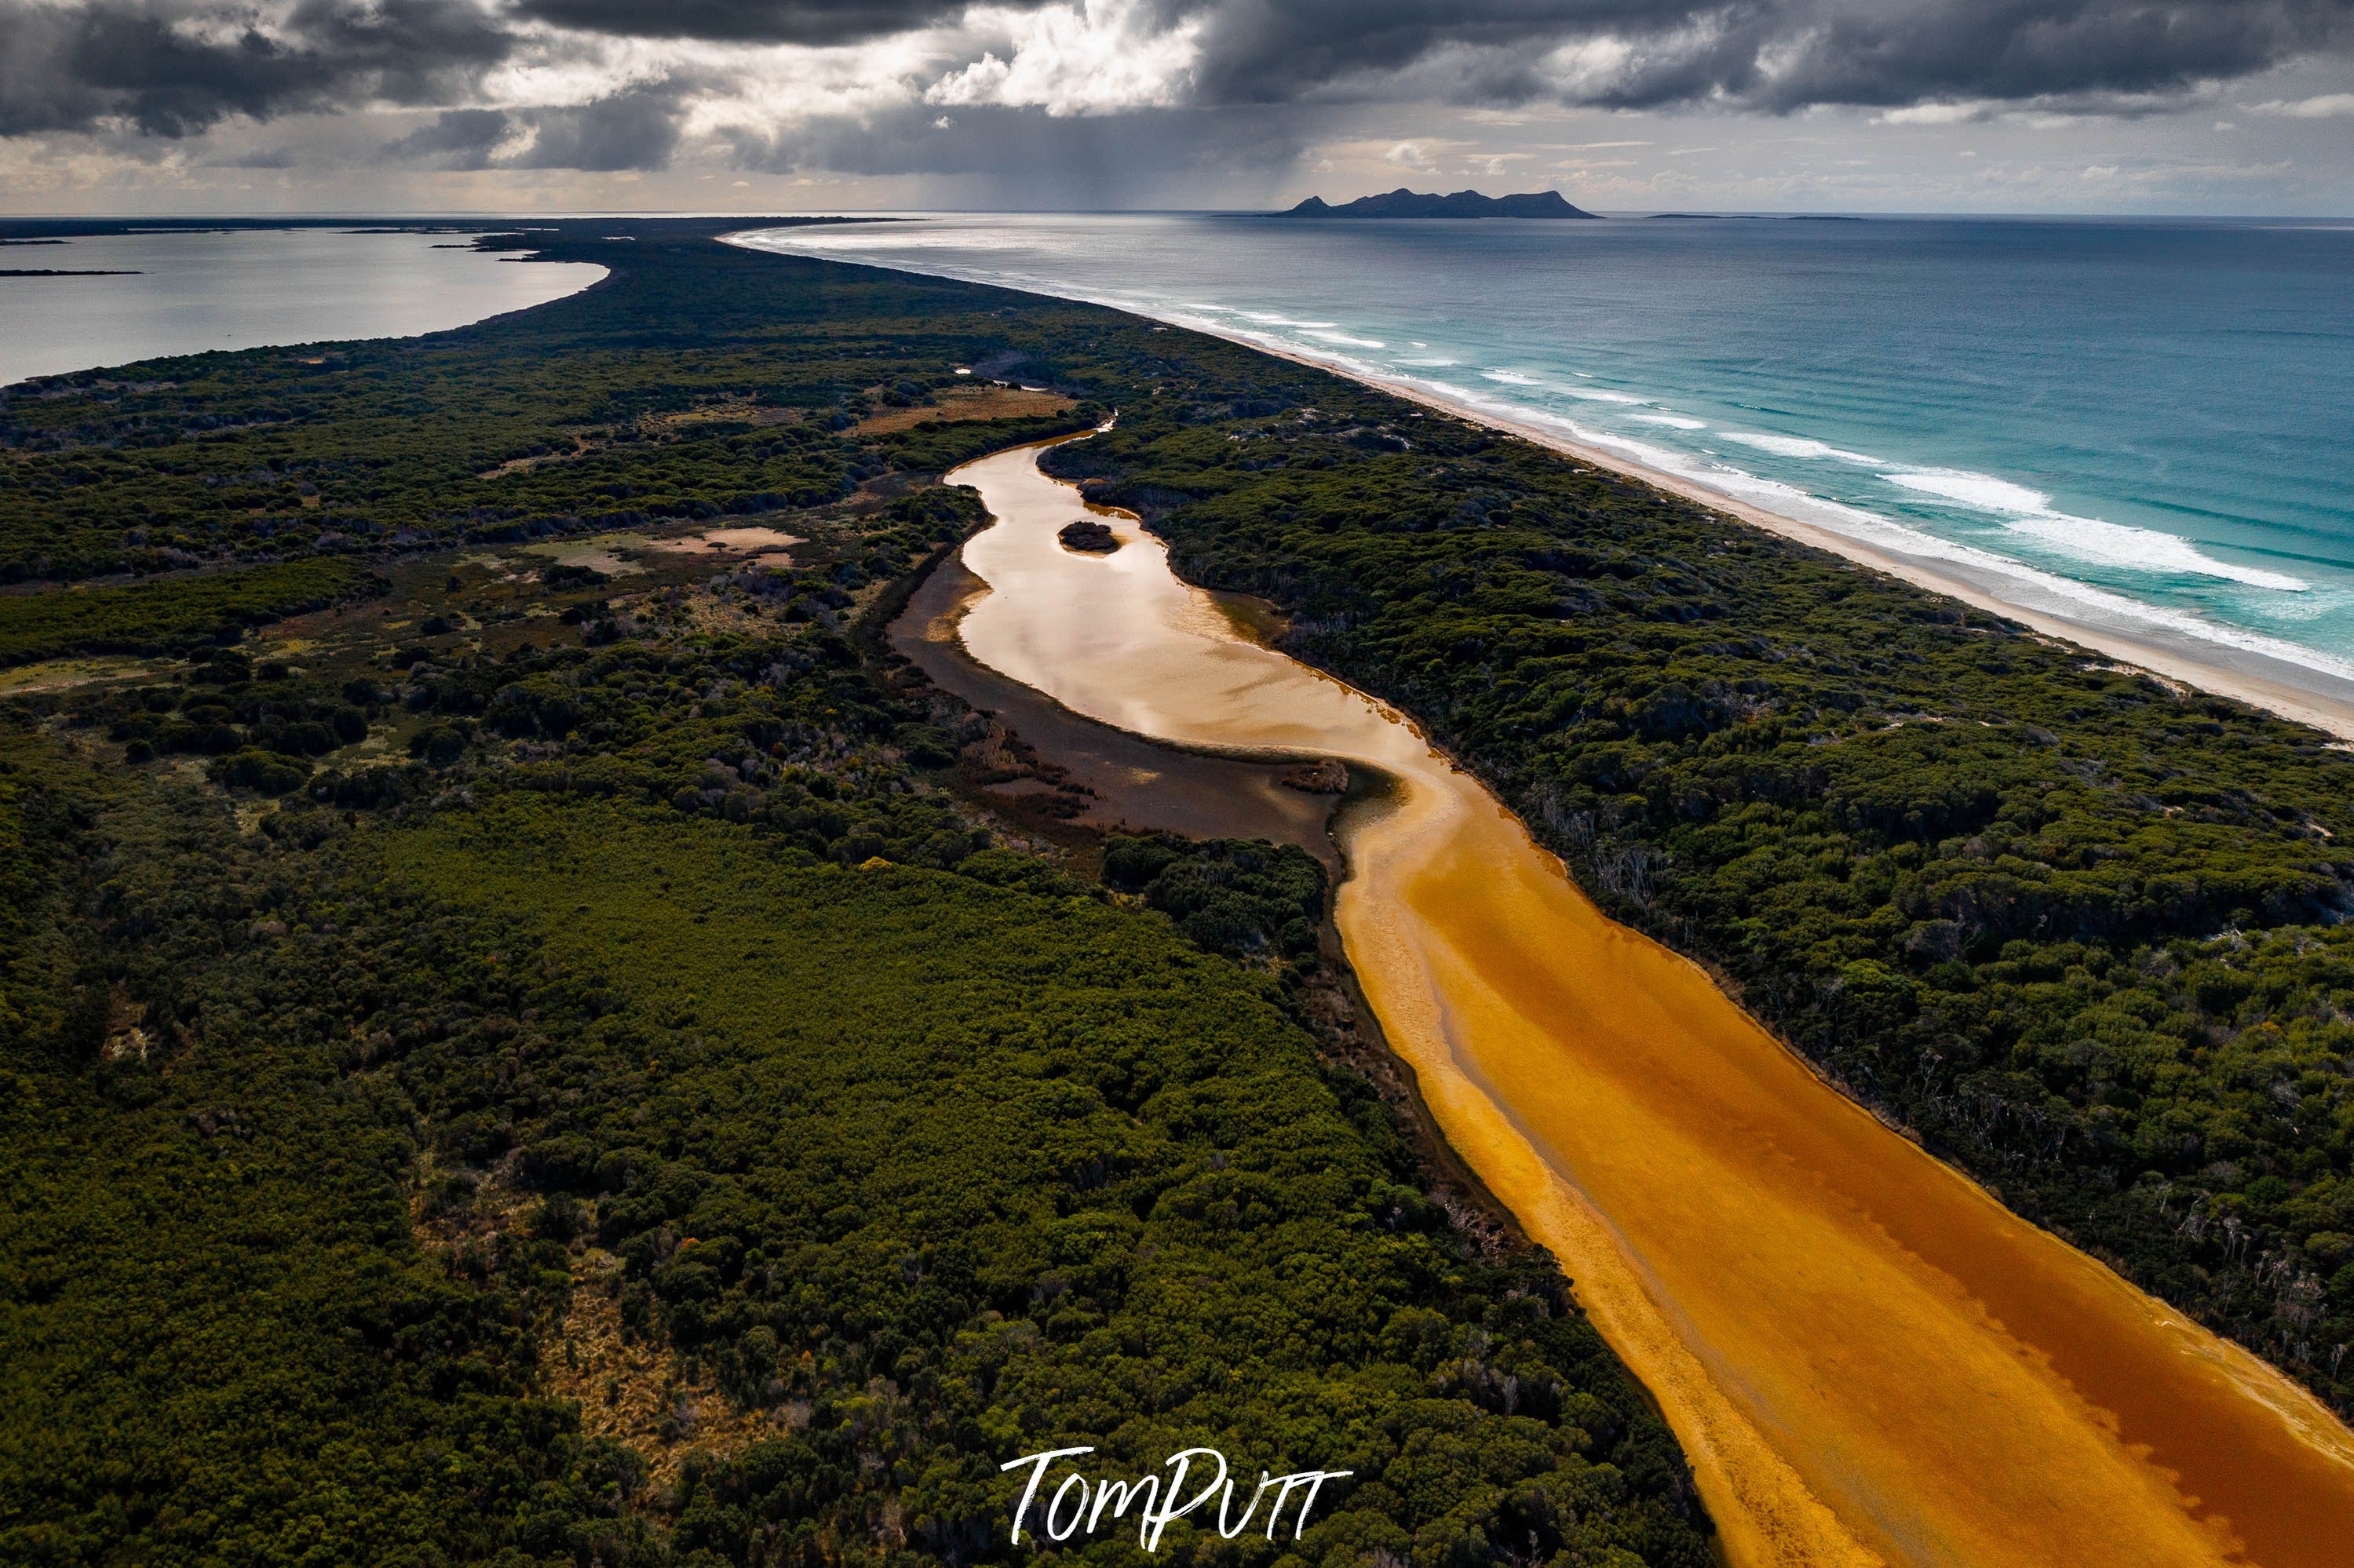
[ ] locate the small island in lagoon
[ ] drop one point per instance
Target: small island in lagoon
(1089, 536)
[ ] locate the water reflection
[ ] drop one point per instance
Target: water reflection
(249, 288)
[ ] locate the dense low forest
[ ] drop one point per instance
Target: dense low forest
(526, 1039)
(178, 616)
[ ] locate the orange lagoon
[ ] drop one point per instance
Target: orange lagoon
(1867, 1358)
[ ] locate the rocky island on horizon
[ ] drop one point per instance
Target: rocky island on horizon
(1404, 203)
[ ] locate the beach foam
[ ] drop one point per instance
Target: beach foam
(2144, 549)
(1270, 318)
(2031, 513)
(1586, 394)
(1982, 491)
(1794, 446)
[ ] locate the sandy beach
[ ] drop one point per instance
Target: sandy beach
(2293, 691)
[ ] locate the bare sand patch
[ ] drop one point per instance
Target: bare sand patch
(748, 541)
(960, 403)
(598, 552)
(634, 1388)
(581, 447)
(734, 411)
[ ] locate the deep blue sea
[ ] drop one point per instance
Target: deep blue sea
(2142, 425)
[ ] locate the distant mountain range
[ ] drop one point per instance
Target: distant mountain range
(1404, 203)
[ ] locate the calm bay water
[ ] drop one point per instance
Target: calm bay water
(2138, 425)
(249, 288)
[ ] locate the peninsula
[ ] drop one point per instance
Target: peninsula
(1404, 203)
(511, 966)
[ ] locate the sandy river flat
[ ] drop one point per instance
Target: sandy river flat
(1867, 1358)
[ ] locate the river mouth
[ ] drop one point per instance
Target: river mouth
(1867, 1358)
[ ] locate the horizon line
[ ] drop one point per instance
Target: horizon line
(334, 215)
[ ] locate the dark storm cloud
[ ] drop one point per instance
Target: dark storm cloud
(169, 69)
(1272, 50)
(1774, 55)
(749, 21)
(636, 130)
(633, 129)
(2016, 50)
(1062, 162)
(457, 138)
(72, 67)
(2003, 50)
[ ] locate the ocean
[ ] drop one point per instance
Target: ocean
(183, 292)
(2144, 426)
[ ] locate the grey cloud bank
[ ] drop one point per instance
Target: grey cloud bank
(1238, 97)
(167, 70)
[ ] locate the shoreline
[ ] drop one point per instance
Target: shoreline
(2282, 694)
(2287, 690)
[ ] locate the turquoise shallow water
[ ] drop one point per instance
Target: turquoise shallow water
(2141, 425)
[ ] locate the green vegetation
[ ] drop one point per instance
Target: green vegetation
(557, 1068)
(548, 1068)
(1229, 897)
(154, 618)
(222, 1344)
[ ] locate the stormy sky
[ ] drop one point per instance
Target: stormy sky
(2168, 106)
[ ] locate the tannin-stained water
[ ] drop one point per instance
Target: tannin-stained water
(1867, 1358)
